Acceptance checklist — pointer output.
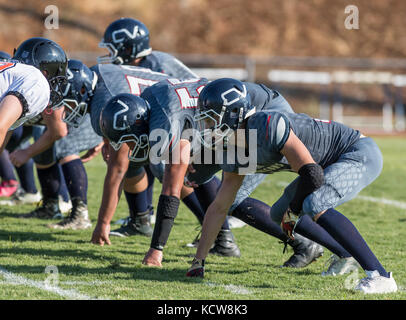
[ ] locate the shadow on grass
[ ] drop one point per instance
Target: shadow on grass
(20, 236)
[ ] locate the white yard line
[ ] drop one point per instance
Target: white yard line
(13, 279)
(232, 288)
(393, 203)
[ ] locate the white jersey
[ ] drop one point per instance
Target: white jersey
(28, 84)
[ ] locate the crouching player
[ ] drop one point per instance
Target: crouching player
(29, 83)
(334, 163)
(171, 105)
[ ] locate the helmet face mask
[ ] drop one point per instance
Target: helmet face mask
(74, 113)
(77, 92)
(212, 130)
(223, 104)
(56, 98)
(111, 57)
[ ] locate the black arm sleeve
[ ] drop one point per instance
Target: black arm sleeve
(166, 213)
(311, 178)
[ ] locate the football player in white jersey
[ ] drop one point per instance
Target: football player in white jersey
(29, 83)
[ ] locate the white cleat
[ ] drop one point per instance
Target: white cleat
(21, 197)
(375, 283)
(64, 206)
(339, 266)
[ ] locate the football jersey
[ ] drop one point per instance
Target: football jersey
(28, 83)
(173, 105)
(168, 64)
(264, 98)
(325, 140)
(115, 79)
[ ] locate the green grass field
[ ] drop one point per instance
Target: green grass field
(30, 253)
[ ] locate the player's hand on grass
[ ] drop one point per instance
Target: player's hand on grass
(197, 269)
(153, 258)
(100, 234)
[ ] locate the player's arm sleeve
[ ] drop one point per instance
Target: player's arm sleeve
(277, 129)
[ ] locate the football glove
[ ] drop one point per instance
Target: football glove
(288, 223)
(197, 269)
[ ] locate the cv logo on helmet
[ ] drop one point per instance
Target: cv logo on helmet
(117, 38)
(227, 102)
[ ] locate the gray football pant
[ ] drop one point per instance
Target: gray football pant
(355, 169)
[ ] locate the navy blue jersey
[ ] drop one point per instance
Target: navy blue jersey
(173, 105)
(264, 98)
(325, 140)
(114, 79)
(164, 62)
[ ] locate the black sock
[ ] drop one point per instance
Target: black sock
(342, 230)
(193, 204)
(258, 215)
(63, 188)
(26, 175)
(313, 231)
(76, 179)
(50, 180)
(137, 202)
(6, 167)
(150, 188)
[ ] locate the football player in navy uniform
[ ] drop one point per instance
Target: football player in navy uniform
(334, 163)
(128, 42)
(172, 106)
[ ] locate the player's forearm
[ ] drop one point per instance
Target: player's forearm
(111, 195)
(44, 142)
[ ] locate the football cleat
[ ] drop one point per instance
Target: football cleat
(22, 197)
(375, 283)
(225, 245)
(48, 208)
(8, 188)
(78, 218)
(140, 224)
(64, 206)
(197, 269)
(340, 266)
(305, 252)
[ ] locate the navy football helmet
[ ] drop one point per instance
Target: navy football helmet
(126, 39)
(77, 92)
(222, 106)
(4, 56)
(49, 57)
(124, 119)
